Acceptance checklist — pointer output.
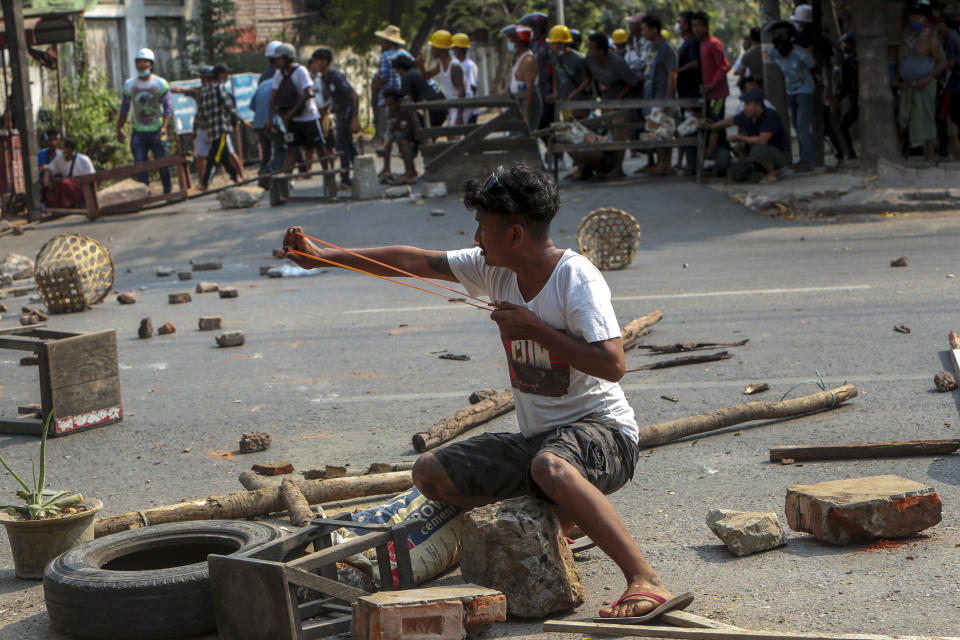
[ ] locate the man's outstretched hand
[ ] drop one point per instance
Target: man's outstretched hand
(515, 322)
(294, 239)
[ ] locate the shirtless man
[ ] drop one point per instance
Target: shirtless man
(557, 324)
(920, 61)
(449, 70)
(523, 76)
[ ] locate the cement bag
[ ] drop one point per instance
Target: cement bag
(572, 133)
(434, 547)
(660, 124)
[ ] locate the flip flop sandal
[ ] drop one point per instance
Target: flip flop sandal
(681, 601)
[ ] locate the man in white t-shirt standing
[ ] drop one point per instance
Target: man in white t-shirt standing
(577, 439)
(292, 98)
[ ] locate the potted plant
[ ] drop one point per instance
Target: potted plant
(48, 523)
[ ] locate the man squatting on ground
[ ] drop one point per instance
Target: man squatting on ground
(578, 433)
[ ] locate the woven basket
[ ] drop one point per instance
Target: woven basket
(70, 262)
(609, 238)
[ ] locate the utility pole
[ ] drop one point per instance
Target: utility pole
(22, 105)
(559, 18)
(773, 84)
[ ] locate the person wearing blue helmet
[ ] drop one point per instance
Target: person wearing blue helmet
(537, 22)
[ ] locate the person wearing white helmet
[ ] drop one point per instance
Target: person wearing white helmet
(292, 99)
(147, 96)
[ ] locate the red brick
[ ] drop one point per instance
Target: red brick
(843, 511)
(435, 613)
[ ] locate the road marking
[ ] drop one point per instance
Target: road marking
(654, 296)
(786, 383)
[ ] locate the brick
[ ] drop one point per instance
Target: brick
(254, 442)
(229, 292)
(207, 287)
(126, 298)
(273, 468)
(29, 318)
(843, 511)
(179, 298)
(210, 323)
(43, 315)
(3, 308)
(231, 339)
(441, 613)
(185, 275)
(167, 328)
(212, 265)
(146, 328)
(30, 360)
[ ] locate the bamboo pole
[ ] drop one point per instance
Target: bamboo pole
(664, 432)
(248, 504)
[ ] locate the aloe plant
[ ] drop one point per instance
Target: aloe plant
(39, 502)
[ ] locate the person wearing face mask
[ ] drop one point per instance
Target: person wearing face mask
(796, 64)
(919, 61)
(59, 191)
(147, 97)
(523, 76)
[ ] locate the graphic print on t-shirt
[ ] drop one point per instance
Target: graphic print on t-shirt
(535, 370)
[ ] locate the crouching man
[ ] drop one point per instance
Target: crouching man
(577, 439)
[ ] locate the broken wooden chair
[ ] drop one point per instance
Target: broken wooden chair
(255, 592)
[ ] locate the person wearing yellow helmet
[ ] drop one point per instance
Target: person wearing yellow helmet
(619, 38)
(449, 70)
(569, 66)
(471, 73)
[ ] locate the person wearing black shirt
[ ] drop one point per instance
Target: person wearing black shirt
(417, 88)
(849, 89)
(762, 130)
(688, 74)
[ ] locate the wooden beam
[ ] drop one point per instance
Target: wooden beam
(861, 450)
(605, 105)
(643, 631)
(22, 103)
(469, 140)
(689, 620)
(489, 101)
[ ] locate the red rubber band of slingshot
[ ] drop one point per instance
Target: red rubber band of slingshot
(406, 284)
(397, 269)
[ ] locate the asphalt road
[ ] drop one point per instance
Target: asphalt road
(340, 368)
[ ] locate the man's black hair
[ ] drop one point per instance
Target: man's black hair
(404, 63)
(755, 35)
(392, 93)
(702, 16)
(517, 191)
(51, 132)
(69, 143)
(322, 54)
(600, 41)
(687, 15)
(652, 21)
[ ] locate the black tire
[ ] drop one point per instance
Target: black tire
(111, 588)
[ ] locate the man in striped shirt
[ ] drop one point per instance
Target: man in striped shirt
(216, 109)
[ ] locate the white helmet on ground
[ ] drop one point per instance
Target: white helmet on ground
(272, 49)
(146, 54)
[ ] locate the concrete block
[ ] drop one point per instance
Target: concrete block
(434, 613)
(240, 197)
(397, 191)
(179, 298)
(164, 271)
(746, 532)
(126, 190)
(231, 339)
(210, 323)
(207, 287)
(433, 189)
(229, 292)
(366, 185)
(842, 511)
(213, 265)
(516, 547)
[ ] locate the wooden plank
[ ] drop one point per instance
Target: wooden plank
(560, 147)
(123, 172)
(340, 551)
(860, 450)
(605, 105)
(513, 124)
(21, 344)
(86, 397)
(324, 628)
(675, 633)
(480, 165)
(488, 101)
(467, 143)
(50, 334)
(83, 358)
(693, 621)
(28, 426)
(322, 606)
(324, 585)
(513, 143)
(252, 600)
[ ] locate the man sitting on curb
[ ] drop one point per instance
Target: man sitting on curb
(578, 436)
(59, 191)
(762, 130)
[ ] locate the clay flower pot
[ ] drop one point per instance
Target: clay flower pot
(36, 542)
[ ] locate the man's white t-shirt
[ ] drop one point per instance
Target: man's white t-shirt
(60, 166)
(576, 300)
(301, 80)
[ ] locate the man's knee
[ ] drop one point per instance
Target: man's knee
(549, 471)
(429, 475)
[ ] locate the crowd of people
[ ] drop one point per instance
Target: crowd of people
(311, 110)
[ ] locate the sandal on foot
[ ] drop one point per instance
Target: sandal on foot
(580, 544)
(681, 601)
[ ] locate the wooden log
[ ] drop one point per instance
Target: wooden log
(664, 432)
(679, 362)
(248, 504)
(638, 327)
(462, 420)
(861, 450)
(253, 481)
(297, 507)
(645, 631)
(682, 347)
(331, 471)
